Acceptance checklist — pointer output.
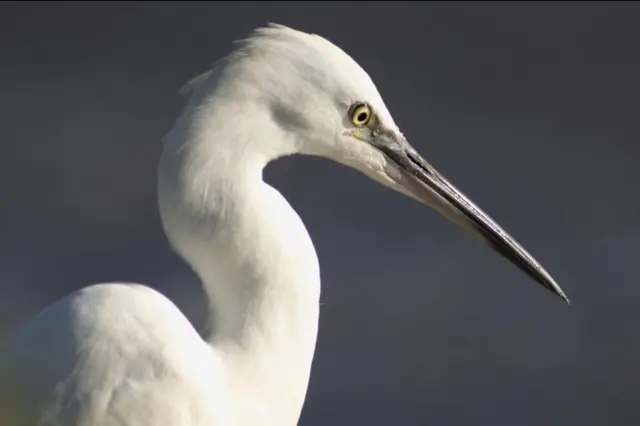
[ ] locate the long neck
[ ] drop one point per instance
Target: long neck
(255, 259)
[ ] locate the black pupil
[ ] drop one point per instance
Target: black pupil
(362, 116)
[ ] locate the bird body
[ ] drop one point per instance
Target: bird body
(147, 353)
(120, 354)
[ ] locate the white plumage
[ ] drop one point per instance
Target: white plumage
(123, 354)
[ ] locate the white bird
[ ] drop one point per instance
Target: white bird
(123, 354)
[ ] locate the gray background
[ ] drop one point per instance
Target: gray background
(530, 108)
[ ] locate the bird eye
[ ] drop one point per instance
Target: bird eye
(360, 114)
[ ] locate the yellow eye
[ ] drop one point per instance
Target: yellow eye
(361, 114)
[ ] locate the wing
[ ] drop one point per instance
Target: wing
(110, 354)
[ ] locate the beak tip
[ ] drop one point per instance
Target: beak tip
(561, 294)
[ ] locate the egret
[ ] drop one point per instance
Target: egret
(123, 354)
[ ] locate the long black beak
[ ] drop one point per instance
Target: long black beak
(422, 182)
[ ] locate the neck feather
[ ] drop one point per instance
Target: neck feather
(250, 249)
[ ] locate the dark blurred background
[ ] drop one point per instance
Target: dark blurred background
(530, 108)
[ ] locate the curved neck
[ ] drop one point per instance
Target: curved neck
(255, 259)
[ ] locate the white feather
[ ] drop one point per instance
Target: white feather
(122, 354)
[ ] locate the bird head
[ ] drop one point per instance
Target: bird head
(315, 99)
